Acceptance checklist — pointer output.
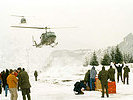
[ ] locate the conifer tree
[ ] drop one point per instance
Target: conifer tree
(86, 62)
(93, 60)
(106, 60)
(131, 60)
(112, 55)
(118, 55)
(126, 58)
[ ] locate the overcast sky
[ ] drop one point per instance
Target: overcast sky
(100, 23)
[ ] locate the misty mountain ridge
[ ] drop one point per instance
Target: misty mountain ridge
(77, 57)
(126, 46)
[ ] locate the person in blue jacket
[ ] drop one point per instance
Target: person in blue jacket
(93, 73)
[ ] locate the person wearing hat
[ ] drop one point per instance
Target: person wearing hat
(126, 74)
(12, 83)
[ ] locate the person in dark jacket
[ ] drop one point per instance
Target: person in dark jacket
(126, 74)
(0, 84)
(111, 72)
(3, 79)
(6, 85)
(35, 74)
(103, 76)
(24, 84)
(119, 71)
(87, 78)
(78, 86)
(19, 70)
(93, 73)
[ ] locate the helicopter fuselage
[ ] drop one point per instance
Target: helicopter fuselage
(23, 20)
(48, 38)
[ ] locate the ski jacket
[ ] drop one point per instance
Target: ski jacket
(93, 72)
(12, 81)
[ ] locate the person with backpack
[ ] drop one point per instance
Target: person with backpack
(103, 76)
(79, 87)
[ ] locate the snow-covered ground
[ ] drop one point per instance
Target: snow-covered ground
(59, 86)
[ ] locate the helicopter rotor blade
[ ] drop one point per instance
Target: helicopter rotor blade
(17, 16)
(31, 27)
(42, 27)
(62, 27)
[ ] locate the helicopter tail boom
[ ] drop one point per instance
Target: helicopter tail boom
(35, 44)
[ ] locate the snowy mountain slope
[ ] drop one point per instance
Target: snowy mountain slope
(67, 57)
(126, 46)
(64, 65)
(68, 64)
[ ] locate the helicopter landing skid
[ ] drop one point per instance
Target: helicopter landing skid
(54, 44)
(37, 45)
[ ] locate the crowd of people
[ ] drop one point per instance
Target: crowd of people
(18, 80)
(14, 81)
(103, 76)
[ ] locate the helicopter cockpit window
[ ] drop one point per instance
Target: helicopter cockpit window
(43, 36)
(23, 20)
(50, 33)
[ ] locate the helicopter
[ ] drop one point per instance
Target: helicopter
(47, 38)
(23, 19)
